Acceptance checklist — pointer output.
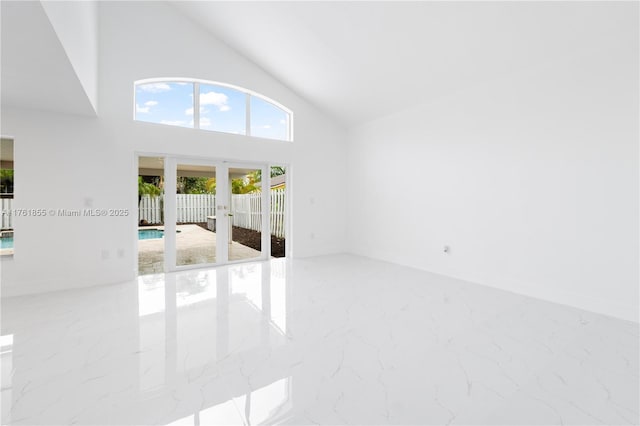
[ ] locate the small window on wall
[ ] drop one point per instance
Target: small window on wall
(211, 106)
(6, 196)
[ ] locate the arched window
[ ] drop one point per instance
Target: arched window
(212, 106)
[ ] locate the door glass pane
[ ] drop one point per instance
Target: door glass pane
(6, 196)
(277, 213)
(150, 215)
(195, 214)
(245, 220)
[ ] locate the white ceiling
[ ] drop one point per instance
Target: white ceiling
(36, 72)
(361, 60)
(6, 151)
(355, 60)
(154, 166)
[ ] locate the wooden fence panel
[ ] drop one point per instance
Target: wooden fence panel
(150, 209)
(194, 208)
(7, 217)
(277, 213)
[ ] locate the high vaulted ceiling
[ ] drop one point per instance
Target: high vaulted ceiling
(361, 60)
(36, 70)
(356, 60)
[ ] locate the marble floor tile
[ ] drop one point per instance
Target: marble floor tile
(327, 340)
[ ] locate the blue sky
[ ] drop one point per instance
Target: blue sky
(221, 109)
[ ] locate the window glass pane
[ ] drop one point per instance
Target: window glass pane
(165, 103)
(6, 196)
(222, 109)
(268, 120)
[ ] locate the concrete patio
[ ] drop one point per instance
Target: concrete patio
(194, 245)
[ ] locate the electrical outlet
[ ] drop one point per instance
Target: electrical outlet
(105, 254)
(446, 249)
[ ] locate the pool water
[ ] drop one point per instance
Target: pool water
(150, 234)
(144, 234)
(6, 242)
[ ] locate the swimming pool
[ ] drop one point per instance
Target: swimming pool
(6, 242)
(143, 234)
(150, 234)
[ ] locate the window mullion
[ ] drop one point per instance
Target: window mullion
(248, 109)
(196, 105)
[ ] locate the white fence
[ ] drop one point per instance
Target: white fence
(150, 209)
(247, 210)
(7, 218)
(194, 208)
(277, 212)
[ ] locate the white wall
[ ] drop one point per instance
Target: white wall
(67, 161)
(532, 180)
(76, 24)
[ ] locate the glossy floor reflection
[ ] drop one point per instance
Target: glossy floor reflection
(329, 340)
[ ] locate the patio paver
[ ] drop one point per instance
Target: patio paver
(194, 245)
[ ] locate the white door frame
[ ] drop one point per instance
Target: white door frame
(265, 246)
(222, 167)
(170, 205)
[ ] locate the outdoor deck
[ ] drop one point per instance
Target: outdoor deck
(194, 245)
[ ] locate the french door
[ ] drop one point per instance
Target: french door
(215, 213)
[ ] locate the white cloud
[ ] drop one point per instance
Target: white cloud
(189, 111)
(155, 87)
(204, 122)
(214, 98)
(266, 126)
(283, 122)
(146, 109)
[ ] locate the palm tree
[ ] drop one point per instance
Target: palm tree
(275, 171)
(6, 181)
(145, 188)
(242, 185)
(210, 185)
